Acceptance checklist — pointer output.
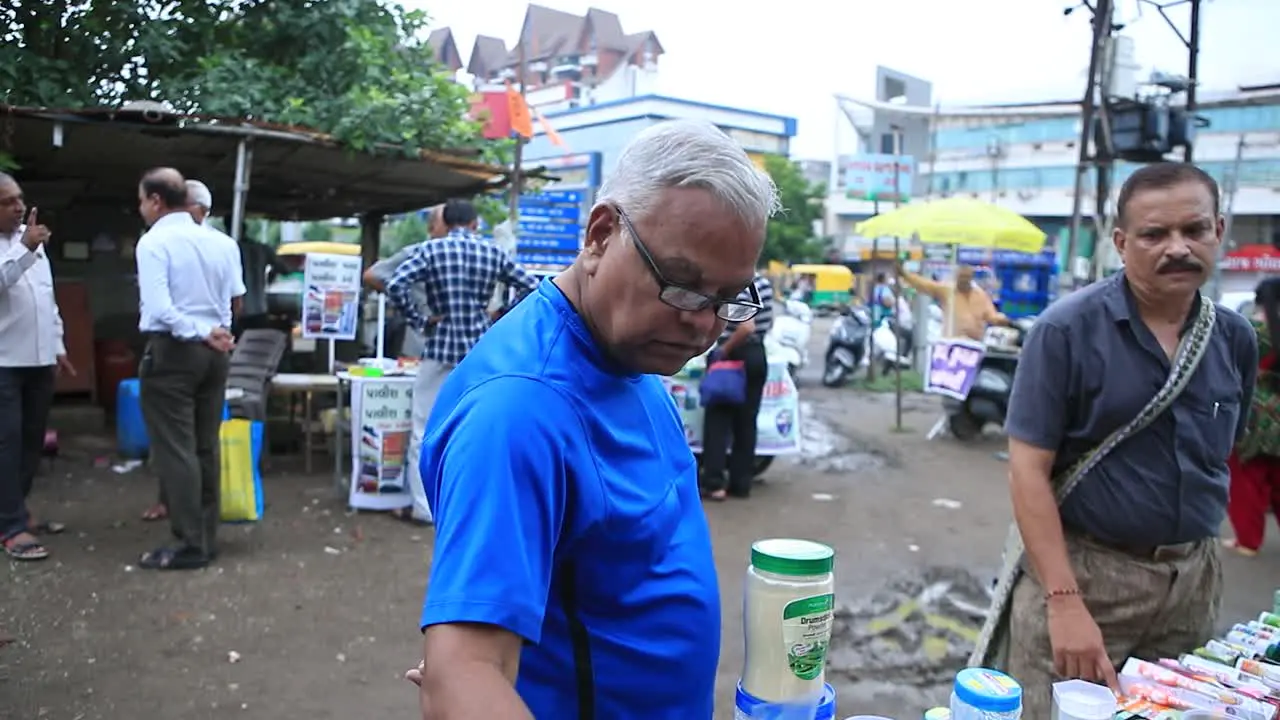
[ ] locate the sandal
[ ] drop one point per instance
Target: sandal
(1240, 549)
(173, 559)
(25, 550)
(716, 495)
(155, 512)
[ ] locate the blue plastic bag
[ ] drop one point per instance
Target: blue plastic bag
(241, 471)
(724, 384)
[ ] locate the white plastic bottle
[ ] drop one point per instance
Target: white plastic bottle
(789, 603)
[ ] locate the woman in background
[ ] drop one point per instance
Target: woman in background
(1255, 462)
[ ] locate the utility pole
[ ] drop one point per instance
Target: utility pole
(517, 170)
(1088, 106)
(1193, 67)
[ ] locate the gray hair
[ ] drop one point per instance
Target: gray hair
(198, 194)
(689, 154)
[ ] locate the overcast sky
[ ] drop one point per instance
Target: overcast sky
(788, 58)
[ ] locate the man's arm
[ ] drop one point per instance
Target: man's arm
(493, 473)
(238, 289)
(991, 315)
(935, 290)
(153, 290)
(381, 272)
(1036, 425)
(739, 335)
(400, 287)
(16, 260)
(514, 275)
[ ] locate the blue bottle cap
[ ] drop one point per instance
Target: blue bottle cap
(987, 690)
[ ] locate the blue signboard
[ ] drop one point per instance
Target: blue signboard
(549, 231)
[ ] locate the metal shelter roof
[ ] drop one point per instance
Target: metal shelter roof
(78, 158)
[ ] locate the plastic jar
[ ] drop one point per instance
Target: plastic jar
(938, 713)
(822, 707)
(788, 605)
(982, 694)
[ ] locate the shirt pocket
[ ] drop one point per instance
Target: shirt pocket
(1217, 418)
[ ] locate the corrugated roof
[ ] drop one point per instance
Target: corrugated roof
(296, 174)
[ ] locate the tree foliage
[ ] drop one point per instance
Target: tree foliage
(359, 70)
(790, 237)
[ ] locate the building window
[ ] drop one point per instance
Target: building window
(894, 87)
(886, 143)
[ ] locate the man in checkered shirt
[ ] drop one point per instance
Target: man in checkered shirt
(458, 274)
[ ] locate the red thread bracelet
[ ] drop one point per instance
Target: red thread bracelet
(1061, 592)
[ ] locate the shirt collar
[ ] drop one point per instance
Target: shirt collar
(461, 232)
(1123, 304)
(174, 219)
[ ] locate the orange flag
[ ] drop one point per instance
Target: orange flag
(549, 131)
(518, 112)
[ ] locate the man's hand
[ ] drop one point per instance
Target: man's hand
(221, 339)
(35, 234)
(432, 321)
(1078, 648)
(65, 367)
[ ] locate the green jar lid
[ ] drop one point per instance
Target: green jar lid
(787, 556)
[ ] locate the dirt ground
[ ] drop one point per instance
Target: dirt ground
(311, 614)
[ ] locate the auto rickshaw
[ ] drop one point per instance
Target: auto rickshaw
(824, 287)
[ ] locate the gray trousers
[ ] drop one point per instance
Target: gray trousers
(25, 396)
(1145, 608)
(183, 388)
(431, 375)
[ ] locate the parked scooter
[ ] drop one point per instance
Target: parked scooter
(893, 346)
(846, 346)
(988, 399)
(788, 339)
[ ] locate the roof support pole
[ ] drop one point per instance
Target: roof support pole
(244, 166)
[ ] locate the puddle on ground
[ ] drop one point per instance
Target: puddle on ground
(828, 451)
(917, 630)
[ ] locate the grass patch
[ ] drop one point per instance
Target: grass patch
(912, 381)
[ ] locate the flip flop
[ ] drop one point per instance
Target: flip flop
(25, 551)
(405, 515)
(172, 559)
(1236, 546)
(154, 513)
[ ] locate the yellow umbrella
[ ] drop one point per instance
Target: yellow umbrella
(958, 221)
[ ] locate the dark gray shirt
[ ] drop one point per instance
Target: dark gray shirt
(1089, 366)
(257, 260)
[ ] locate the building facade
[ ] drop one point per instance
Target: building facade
(1023, 157)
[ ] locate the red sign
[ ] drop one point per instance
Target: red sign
(1253, 258)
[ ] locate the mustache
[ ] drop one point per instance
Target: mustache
(1179, 265)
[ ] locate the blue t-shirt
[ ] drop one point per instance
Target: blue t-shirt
(567, 511)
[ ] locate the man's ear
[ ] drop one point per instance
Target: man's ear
(602, 225)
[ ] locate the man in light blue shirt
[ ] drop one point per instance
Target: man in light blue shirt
(572, 576)
(187, 278)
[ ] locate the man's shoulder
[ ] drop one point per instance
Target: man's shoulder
(1079, 308)
(1236, 329)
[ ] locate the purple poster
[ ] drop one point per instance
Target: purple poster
(953, 366)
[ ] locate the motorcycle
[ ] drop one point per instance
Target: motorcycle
(988, 399)
(846, 346)
(788, 339)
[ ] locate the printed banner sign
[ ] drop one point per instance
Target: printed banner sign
(953, 367)
(381, 418)
(331, 296)
(778, 422)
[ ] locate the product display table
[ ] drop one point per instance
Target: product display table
(306, 385)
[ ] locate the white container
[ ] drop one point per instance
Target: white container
(788, 605)
(1082, 700)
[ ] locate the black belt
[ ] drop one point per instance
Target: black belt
(1156, 553)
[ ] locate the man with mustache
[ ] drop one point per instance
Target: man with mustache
(1125, 562)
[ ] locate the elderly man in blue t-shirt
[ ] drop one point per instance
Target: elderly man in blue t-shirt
(572, 576)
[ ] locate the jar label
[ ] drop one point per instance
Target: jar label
(806, 630)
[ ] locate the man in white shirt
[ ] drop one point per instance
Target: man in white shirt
(199, 204)
(31, 353)
(187, 278)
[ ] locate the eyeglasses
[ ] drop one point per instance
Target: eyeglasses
(688, 299)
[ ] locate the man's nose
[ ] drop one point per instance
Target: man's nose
(703, 321)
